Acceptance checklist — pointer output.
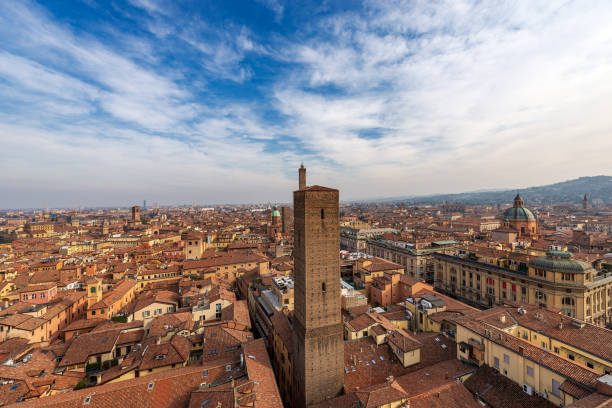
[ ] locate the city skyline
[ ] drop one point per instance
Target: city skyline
(305, 204)
(105, 105)
(478, 197)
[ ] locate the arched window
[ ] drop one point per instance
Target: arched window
(323, 288)
(322, 213)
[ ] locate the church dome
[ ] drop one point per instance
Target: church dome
(518, 213)
(276, 213)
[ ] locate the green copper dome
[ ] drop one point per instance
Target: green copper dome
(560, 261)
(276, 213)
(518, 213)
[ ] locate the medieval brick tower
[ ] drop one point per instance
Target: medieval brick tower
(135, 213)
(319, 346)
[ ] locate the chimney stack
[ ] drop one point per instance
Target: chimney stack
(302, 174)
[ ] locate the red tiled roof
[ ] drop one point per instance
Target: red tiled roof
(404, 341)
(378, 395)
(169, 389)
(554, 362)
(501, 392)
(260, 371)
(89, 344)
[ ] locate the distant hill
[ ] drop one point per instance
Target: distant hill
(570, 192)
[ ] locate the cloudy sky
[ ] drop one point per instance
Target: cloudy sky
(109, 102)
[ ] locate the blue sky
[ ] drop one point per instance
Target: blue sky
(112, 102)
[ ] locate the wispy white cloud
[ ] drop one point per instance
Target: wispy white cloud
(460, 86)
(134, 124)
(276, 6)
(402, 97)
(126, 90)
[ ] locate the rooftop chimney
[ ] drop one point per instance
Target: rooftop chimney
(502, 318)
(302, 174)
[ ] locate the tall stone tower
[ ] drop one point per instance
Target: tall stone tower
(302, 177)
(585, 203)
(318, 371)
(285, 218)
(135, 213)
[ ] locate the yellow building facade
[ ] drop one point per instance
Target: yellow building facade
(556, 280)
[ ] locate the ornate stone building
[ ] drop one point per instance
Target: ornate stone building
(318, 371)
(557, 280)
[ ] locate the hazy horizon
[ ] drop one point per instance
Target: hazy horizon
(151, 204)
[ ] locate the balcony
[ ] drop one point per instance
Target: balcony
(476, 344)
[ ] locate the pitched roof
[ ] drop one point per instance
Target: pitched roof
(260, 371)
(378, 395)
(403, 340)
(431, 377)
(554, 362)
(176, 351)
(169, 389)
(89, 344)
(501, 392)
(450, 395)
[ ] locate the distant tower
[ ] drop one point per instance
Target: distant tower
(275, 226)
(318, 371)
(135, 213)
(144, 204)
(302, 175)
(585, 203)
(276, 217)
(285, 218)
